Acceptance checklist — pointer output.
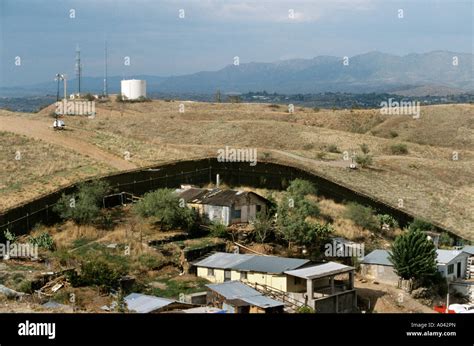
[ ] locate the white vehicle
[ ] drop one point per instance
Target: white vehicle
(462, 308)
(58, 124)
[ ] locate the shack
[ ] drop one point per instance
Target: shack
(224, 206)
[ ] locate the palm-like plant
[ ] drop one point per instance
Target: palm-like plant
(413, 255)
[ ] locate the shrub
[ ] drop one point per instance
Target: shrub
(385, 219)
(301, 188)
(10, 236)
(364, 160)
(44, 240)
(89, 97)
(82, 207)
(275, 106)
(365, 148)
(393, 134)
(218, 229)
(97, 273)
(399, 149)
(119, 98)
(446, 240)
(305, 309)
(422, 225)
(362, 216)
(163, 206)
(316, 109)
(332, 148)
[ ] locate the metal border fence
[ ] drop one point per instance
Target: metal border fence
(21, 219)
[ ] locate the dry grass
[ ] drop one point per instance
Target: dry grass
(430, 183)
(31, 167)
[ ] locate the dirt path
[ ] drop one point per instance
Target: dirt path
(388, 299)
(44, 131)
(341, 163)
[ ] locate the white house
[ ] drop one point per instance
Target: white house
(452, 264)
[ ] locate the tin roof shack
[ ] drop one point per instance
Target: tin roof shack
(266, 271)
(451, 264)
(236, 297)
(329, 287)
(145, 304)
(377, 266)
(224, 206)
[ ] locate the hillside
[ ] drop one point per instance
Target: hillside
(431, 184)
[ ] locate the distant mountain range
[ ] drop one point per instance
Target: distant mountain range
(430, 73)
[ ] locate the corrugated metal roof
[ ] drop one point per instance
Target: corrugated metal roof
(446, 256)
(262, 301)
(213, 197)
(238, 291)
(377, 257)
(245, 262)
(469, 249)
(270, 264)
(142, 303)
(320, 270)
(233, 290)
(204, 310)
(223, 260)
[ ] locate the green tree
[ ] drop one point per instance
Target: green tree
(83, 206)
(414, 256)
(164, 207)
(293, 211)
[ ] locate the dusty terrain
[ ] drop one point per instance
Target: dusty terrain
(388, 299)
(431, 184)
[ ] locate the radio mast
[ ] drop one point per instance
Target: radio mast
(105, 92)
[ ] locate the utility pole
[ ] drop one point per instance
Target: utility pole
(78, 69)
(59, 77)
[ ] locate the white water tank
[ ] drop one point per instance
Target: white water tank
(132, 89)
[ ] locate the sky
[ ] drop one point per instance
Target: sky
(44, 34)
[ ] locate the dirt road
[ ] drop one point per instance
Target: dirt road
(43, 130)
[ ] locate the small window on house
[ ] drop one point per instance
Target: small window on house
(451, 269)
(210, 272)
(298, 281)
(259, 208)
(243, 275)
(236, 214)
